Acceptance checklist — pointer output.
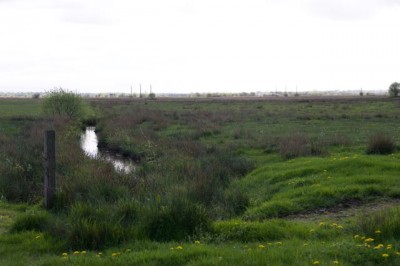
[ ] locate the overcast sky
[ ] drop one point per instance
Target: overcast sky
(199, 45)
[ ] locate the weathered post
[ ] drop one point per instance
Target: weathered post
(50, 167)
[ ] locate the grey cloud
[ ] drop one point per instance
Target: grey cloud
(391, 2)
(83, 13)
(340, 9)
(86, 17)
(344, 9)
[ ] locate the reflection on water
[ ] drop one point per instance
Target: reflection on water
(89, 143)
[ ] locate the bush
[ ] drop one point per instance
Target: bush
(64, 103)
(380, 144)
(387, 221)
(98, 226)
(297, 145)
(35, 221)
(237, 202)
(21, 172)
(294, 146)
(176, 221)
(394, 89)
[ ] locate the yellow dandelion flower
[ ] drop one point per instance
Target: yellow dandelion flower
(278, 243)
(114, 254)
(100, 253)
(305, 244)
(316, 262)
(76, 252)
(385, 255)
(261, 246)
(83, 252)
(197, 242)
(269, 244)
(334, 224)
(339, 227)
(369, 240)
(128, 250)
(363, 237)
(335, 262)
(65, 254)
(378, 231)
(397, 253)
(312, 231)
(356, 236)
(179, 247)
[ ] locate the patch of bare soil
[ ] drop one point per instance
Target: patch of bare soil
(345, 210)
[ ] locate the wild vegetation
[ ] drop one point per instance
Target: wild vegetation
(264, 181)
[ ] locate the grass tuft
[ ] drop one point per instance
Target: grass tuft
(380, 144)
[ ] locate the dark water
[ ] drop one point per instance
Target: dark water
(89, 143)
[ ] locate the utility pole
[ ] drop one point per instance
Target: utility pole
(140, 90)
(131, 92)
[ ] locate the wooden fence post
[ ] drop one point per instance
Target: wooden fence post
(50, 167)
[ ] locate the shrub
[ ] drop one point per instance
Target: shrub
(35, 221)
(64, 103)
(98, 226)
(387, 221)
(339, 140)
(237, 201)
(394, 89)
(176, 221)
(21, 172)
(297, 145)
(380, 144)
(294, 145)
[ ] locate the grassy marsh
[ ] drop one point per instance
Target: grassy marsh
(213, 185)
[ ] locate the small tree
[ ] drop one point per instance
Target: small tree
(394, 89)
(152, 96)
(64, 103)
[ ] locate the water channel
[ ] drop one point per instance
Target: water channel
(89, 142)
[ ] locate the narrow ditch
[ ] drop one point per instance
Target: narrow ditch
(89, 144)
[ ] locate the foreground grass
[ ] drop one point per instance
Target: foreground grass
(324, 243)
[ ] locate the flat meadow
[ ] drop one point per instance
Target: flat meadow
(217, 181)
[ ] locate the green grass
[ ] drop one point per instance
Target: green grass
(304, 184)
(210, 185)
(273, 243)
(20, 108)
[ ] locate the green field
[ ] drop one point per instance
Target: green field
(218, 181)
